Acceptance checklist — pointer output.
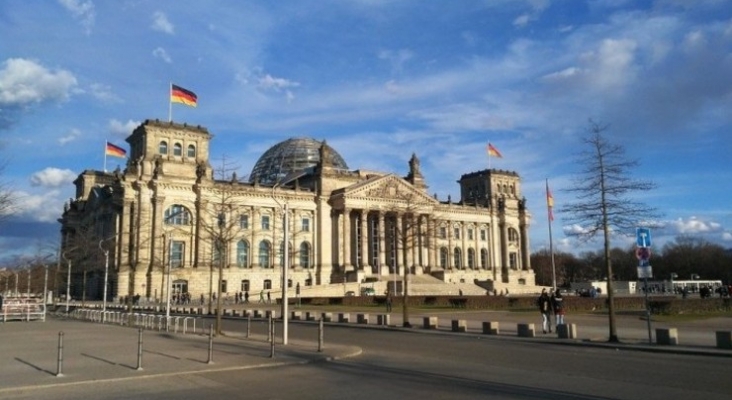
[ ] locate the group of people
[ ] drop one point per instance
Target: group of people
(550, 303)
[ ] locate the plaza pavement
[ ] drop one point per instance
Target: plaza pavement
(94, 352)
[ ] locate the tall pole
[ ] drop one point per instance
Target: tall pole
(106, 276)
(550, 218)
(45, 285)
(285, 268)
(68, 286)
(27, 288)
(167, 281)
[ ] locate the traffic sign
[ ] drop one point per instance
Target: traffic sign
(643, 237)
(643, 253)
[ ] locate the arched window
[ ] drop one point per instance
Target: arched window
(242, 254)
(484, 258)
(458, 257)
(191, 151)
(513, 235)
(177, 215)
(443, 257)
(304, 255)
(471, 258)
(163, 147)
(177, 150)
(264, 250)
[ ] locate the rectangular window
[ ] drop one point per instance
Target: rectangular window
(443, 232)
(456, 233)
(265, 222)
(267, 284)
(176, 253)
(223, 287)
(244, 222)
(245, 285)
(482, 234)
(306, 224)
(512, 260)
(470, 234)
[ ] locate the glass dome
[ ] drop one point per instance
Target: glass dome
(292, 155)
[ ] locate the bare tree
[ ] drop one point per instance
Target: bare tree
(603, 205)
(221, 225)
(7, 196)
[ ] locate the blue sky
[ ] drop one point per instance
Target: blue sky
(379, 80)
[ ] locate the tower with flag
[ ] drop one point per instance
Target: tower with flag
(182, 96)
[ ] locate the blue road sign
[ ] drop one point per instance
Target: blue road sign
(643, 237)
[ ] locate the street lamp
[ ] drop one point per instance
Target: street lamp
(167, 281)
(68, 280)
(106, 274)
(286, 246)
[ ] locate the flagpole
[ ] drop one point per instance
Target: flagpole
(105, 156)
(551, 243)
(170, 103)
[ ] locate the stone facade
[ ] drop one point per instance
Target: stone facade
(165, 211)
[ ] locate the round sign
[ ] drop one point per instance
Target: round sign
(643, 253)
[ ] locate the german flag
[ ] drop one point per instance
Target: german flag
(183, 96)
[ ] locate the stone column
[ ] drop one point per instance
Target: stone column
(384, 269)
(364, 264)
(399, 256)
(347, 256)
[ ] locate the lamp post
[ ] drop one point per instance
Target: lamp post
(167, 282)
(106, 274)
(27, 288)
(286, 247)
(68, 280)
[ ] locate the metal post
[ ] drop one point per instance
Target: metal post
(648, 311)
(68, 287)
(60, 359)
(27, 289)
(167, 284)
(210, 344)
(45, 287)
(139, 349)
(269, 328)
(272, 335)
(285, 268)
(249, 325)
(320, 335)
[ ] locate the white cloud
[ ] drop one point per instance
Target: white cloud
(537, 7)
(693, 225)
(103, 93)
(122, 129)
(24, 81)
(727, 236)
(40, 207)
(162, 54)
(69, 137)
(53, 177)
(81, 10)
(276, 84)
(162, 24)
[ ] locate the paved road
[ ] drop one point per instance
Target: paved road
(100, 362)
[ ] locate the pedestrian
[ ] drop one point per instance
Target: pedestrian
(544, 303)
(297, 293)
(269, 297)
(558, 306)
(246, 296)
(261, 296)
(388, 300)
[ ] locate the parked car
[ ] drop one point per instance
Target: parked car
(367, 291)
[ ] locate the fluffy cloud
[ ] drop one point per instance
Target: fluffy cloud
(693, 225)
(162, 54)
(72, 135)
(53, 177)
(122, 129)
(277, 84)
(81, 10)
(24, 81)
(161, 23)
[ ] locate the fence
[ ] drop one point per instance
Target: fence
(23, 309)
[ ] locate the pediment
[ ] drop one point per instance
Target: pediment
(388, 187)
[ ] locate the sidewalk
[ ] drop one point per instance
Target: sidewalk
(94, 352)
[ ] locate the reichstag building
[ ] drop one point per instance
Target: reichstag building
(168, 217)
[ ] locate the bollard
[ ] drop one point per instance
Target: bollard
(249, 325)
(210, 344)
(139, 349)
(320, 335)
(271, 334)
(60, 360)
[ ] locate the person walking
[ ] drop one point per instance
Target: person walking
(388, 300)
(544, 303)
(558, 307)
(261, 296)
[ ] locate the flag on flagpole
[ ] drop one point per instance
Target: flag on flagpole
(492, 151)
(115, 151)
(183, 96)
(549, 202)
